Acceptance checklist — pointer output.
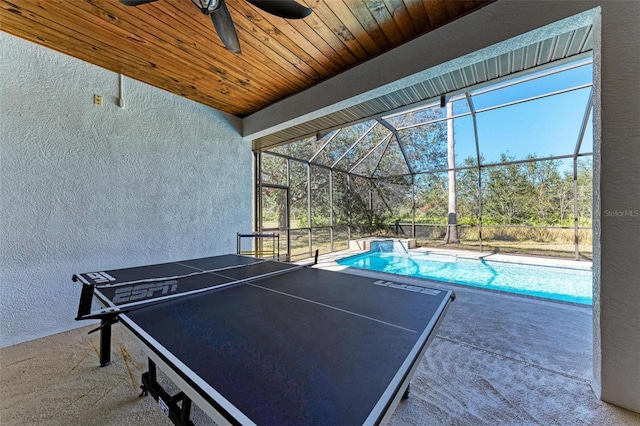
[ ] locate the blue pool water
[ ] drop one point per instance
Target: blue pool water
(566, 284)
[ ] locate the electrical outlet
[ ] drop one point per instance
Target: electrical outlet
(97, 99)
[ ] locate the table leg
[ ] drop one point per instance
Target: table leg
(176, 407)
(105, 341)
(407, 391)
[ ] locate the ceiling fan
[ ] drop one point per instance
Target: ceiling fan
(288, 9)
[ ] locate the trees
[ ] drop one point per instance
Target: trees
(505, 194)
(531, 193)
(369, 175)
(585, 190)
(526, 193)
(431, 197)
(468, 193)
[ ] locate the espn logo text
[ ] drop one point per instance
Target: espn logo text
(144, 291)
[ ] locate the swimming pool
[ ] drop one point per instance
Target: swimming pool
(566, 284)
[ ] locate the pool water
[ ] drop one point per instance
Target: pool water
(566, 284)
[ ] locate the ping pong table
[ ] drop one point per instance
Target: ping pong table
(254, 341)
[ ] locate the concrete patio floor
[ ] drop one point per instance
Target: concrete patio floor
(498, 359)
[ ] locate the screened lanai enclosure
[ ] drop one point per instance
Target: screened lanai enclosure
(503, 167)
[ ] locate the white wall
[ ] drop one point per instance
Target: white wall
(494, 28)
(84, 187)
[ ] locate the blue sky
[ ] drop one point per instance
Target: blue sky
(543, 127)
(547, 126)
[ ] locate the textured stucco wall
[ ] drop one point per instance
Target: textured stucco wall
(84, 187)
(616, 221)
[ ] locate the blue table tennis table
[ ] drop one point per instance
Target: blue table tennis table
(255, 341)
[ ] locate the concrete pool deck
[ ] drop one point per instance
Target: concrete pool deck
(504, 359)
(498, 359)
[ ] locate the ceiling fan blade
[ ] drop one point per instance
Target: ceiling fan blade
(135, 2)
(287, 9)
(224, 27)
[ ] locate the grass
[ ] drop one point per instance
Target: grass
(526, 248)
(546, 242)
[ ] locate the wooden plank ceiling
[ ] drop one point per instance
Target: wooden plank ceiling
(170, 44)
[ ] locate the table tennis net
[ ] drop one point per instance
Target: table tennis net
(122, 296)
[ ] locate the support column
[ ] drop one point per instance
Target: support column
(616, 215)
